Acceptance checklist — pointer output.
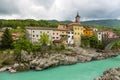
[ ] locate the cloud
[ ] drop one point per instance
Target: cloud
(8, 7)
(59, 9)
(45, 3)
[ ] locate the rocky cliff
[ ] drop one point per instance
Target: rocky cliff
(47, 59)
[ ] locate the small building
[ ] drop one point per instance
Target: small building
(70, 37)
(100, 35)
(87, 32)
(110, 34)
(94, 29)
(34, 33)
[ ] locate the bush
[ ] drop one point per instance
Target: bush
(60, 47)
(26, 45)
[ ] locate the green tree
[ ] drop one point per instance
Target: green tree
(44, 40)
(116, 45)
(85, 41)
(6, 40)
(90, 41)
(26, 45)
(93, 42)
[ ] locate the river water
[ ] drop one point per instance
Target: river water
(80, 71)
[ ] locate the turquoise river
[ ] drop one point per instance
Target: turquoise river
(80, 71)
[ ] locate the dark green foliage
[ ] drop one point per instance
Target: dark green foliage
(60, 47)
(26, 45)
(85, 41)
(100, 45)
(27, 22)
(6, 40)
(93, 42)
(90, 42)
(116, 45)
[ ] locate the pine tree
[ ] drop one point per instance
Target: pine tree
(6, 40)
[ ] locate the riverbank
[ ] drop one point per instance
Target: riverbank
(111, 74)
(44, 60)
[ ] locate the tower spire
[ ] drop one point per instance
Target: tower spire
(77, 18)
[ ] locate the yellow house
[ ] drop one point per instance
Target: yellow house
(87, 32)
(78, 32)
(63, 32)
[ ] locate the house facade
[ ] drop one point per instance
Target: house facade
(100, 35)
(56, 35)
(34, 33)
(65, 33)
(87, 32)
(70, 37)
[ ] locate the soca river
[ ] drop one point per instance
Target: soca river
(80, 71)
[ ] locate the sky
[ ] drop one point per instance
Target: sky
(60, 9)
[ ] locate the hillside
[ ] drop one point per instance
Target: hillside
(54, 23)
(107, 23)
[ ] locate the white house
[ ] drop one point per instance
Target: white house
(100, 35)
(34, 33)
(70, 37)
(94, 29)
(56, 35)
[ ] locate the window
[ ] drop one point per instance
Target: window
(53, 37)
(68, 36)
(53, 33)
(72, 32)
(99, 37)
(75, 33)
(78, 33)
(57, 33)
(36, 35)
(68, 32)
(47, 31)
(72, 37)
(33, 35)
(57, 37)
(33, 31)
(40, 31)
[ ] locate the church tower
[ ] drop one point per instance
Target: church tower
(77, 18)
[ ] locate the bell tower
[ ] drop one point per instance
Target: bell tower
(77, 18)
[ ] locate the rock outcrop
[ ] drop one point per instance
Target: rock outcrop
(111, 74)
(43, 60)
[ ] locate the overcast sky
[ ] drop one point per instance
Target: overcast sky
(59, 9)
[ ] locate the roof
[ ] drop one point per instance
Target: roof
(64, 29)
(87, 28)
(41, 28)
(74, 23)
(62, 24)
